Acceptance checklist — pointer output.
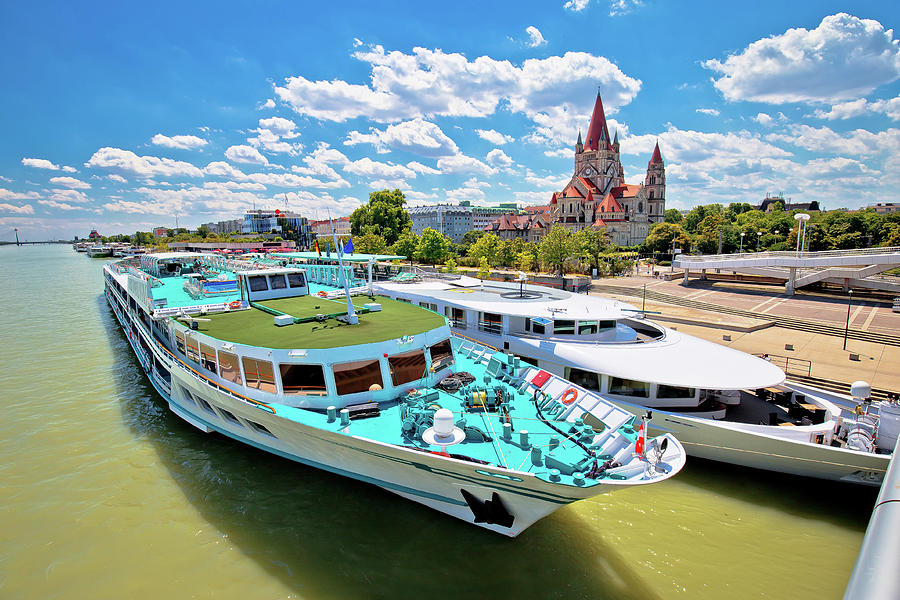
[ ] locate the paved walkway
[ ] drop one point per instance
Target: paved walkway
(879, 364)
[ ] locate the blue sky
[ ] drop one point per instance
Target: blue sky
(120, 116)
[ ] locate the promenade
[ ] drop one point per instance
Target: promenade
(762, 319)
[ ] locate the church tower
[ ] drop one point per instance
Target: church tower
(597, 158)
(655, 186)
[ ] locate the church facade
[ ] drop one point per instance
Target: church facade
(597, 195)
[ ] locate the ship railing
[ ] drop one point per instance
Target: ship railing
(474, 341)
(788, 364)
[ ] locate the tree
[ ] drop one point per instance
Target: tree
(433, 246)
(203, 231)
(591, 244)
(451, 265)
(673, 215)
(556, 248)
(369, 243)
(484, 269)
(507, 251)
(385, 211)
(525, 260)
(661, 236)
(486, 246)
(406, 245)
(469, 238)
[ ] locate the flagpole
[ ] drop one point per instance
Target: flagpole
(352, 319)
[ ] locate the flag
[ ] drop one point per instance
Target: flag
(318, 252)
(348, 247)
(641, 440)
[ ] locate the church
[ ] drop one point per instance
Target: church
(597, 195)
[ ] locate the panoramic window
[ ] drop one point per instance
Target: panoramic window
(179, 341)
(607, 325)
(357, 376)
(296, 280)
(259, 374)
(491, 323)
(587, 327)
(229, 369)
(208, 357)
(674, 391)
(441, 355)
(629, 387)
(563, 327)
(457, 317)
(408, 367)
(193, 351)
(302, 379)
(258, 283)
(586, 379)
(277, 282)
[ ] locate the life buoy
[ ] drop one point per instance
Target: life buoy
(234, 305)
(323, 294)
(566, 399)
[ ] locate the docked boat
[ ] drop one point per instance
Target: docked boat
(722, 404)
(374, 389)
(100, 251)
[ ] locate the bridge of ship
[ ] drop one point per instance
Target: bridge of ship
(855, 268)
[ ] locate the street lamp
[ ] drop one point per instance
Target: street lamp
(801, 219)
(847, 327)
(758, 236)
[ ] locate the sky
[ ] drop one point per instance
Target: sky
(126, 116)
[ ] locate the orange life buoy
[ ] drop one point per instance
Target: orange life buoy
(570, 392)
(323, 294)
(235, 304)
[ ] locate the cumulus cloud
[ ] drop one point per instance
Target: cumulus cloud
(68, 169)
(462, 164)
(59, 205)
(576, 5)
(181, 142)
(844, 57)
(535, 38)
(494, 137)
(127, 162)
(40, 163)
(708, 111)
(271, 134)
(417, 136)
(269, 103)
(245, 154)
(69, 196)
(25, 209)
(70, 182)
(117, 178)
(860, 107)
(422, 169)
(622, 7)
(860, 142)
(368, 168)
(8, 195)
(498, 158)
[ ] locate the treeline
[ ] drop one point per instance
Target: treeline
(700, 230)
(146, 238)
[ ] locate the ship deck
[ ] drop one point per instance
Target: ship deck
(256, 327)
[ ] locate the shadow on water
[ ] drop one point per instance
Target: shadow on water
(327, 536)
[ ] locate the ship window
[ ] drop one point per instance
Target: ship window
(586, 379)
(302, 379)
(587, 327)
(193, 352)
(563, 327)
(259, 428)
(491, 323)
(441, 355)
(457, 317)
(208, 357)
(229, 416)
(204, 405)
(527, 323)
(258, 283)
(527, 359)
(538, 328)
(296, 280)
(629, 387)
(229, 369)
(357, 376)
(277, 282)
(259, 374)
(179, 341)
(673, 391)
(607, 324)
(408, 367)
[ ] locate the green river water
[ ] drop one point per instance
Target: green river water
(106, 494)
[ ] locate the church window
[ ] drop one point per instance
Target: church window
(651, 194)
(640, 207)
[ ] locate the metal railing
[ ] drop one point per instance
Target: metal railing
(791, 254)
(800, 366)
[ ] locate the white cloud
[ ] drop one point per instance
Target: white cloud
(40, 163)
(366, 167)
(844, 57)
(68, 169)
(284, 128)
(126, 161)
(535, 38)
(860, 142)
(498, 158)
(422, 169)
(708, 111)
(245, 154)
(576, 5)
(764, 119)
(856, 108)
(271, 135)
(8, 195)
(182, 142)
(549, 182)
(58, 205)
(473, 182)
(462, 164)
(465, 193)
(417, 136)
(69, 196)
(234, 185)
(223, 169)
(622, 7)
(494, 137)
(25, 209)
(559, 153)
(269, 103)
(70, 182)
(117, 178)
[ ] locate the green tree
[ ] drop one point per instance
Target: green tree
(591, 244)
(406, 245)
(369, 243)
(525, 260)
(486, 246)
(484, 269)
(385, 210)
(673, 215)
(507, 251)
(469, 238)
(203, 231)
(557, 248)
(451, 265)
(433, 246)
(661, 236)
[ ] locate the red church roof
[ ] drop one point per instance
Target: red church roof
(597, 130)
(588, 184)
(656, 158)
(625, 191)
(572, 192)
(610, 205)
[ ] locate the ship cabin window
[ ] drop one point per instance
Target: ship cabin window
(408, 366)
(179, 341)
(629, 387)
(258, 283)
(674, 391)
(441, 355)
(260, 428)
(229, 368)
(457, 317)
(607, 325)
(277, 282)
(587, 327)
(563, 327)
(208, 357)
(193, 351)
(204, 405)
(259, 375)
(308, 380)
(358, 376)
(228, 416)
(429, 306)
(296, 279)
(491, 323)
(589, 380)
(527, 323)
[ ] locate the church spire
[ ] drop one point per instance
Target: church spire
(597, 130)
(656, 159)
(616, 139)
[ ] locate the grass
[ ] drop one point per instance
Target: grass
(257, 328)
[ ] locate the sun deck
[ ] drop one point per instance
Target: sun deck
(256, 327)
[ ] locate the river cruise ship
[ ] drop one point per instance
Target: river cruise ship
(374, 388)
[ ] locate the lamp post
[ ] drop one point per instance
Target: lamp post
(758, 237)
(801, 219)
(847, 327)
(741, 249)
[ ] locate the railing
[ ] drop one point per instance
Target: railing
(490, 327)
(474, 341)
(785, 362)
(792, 254)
